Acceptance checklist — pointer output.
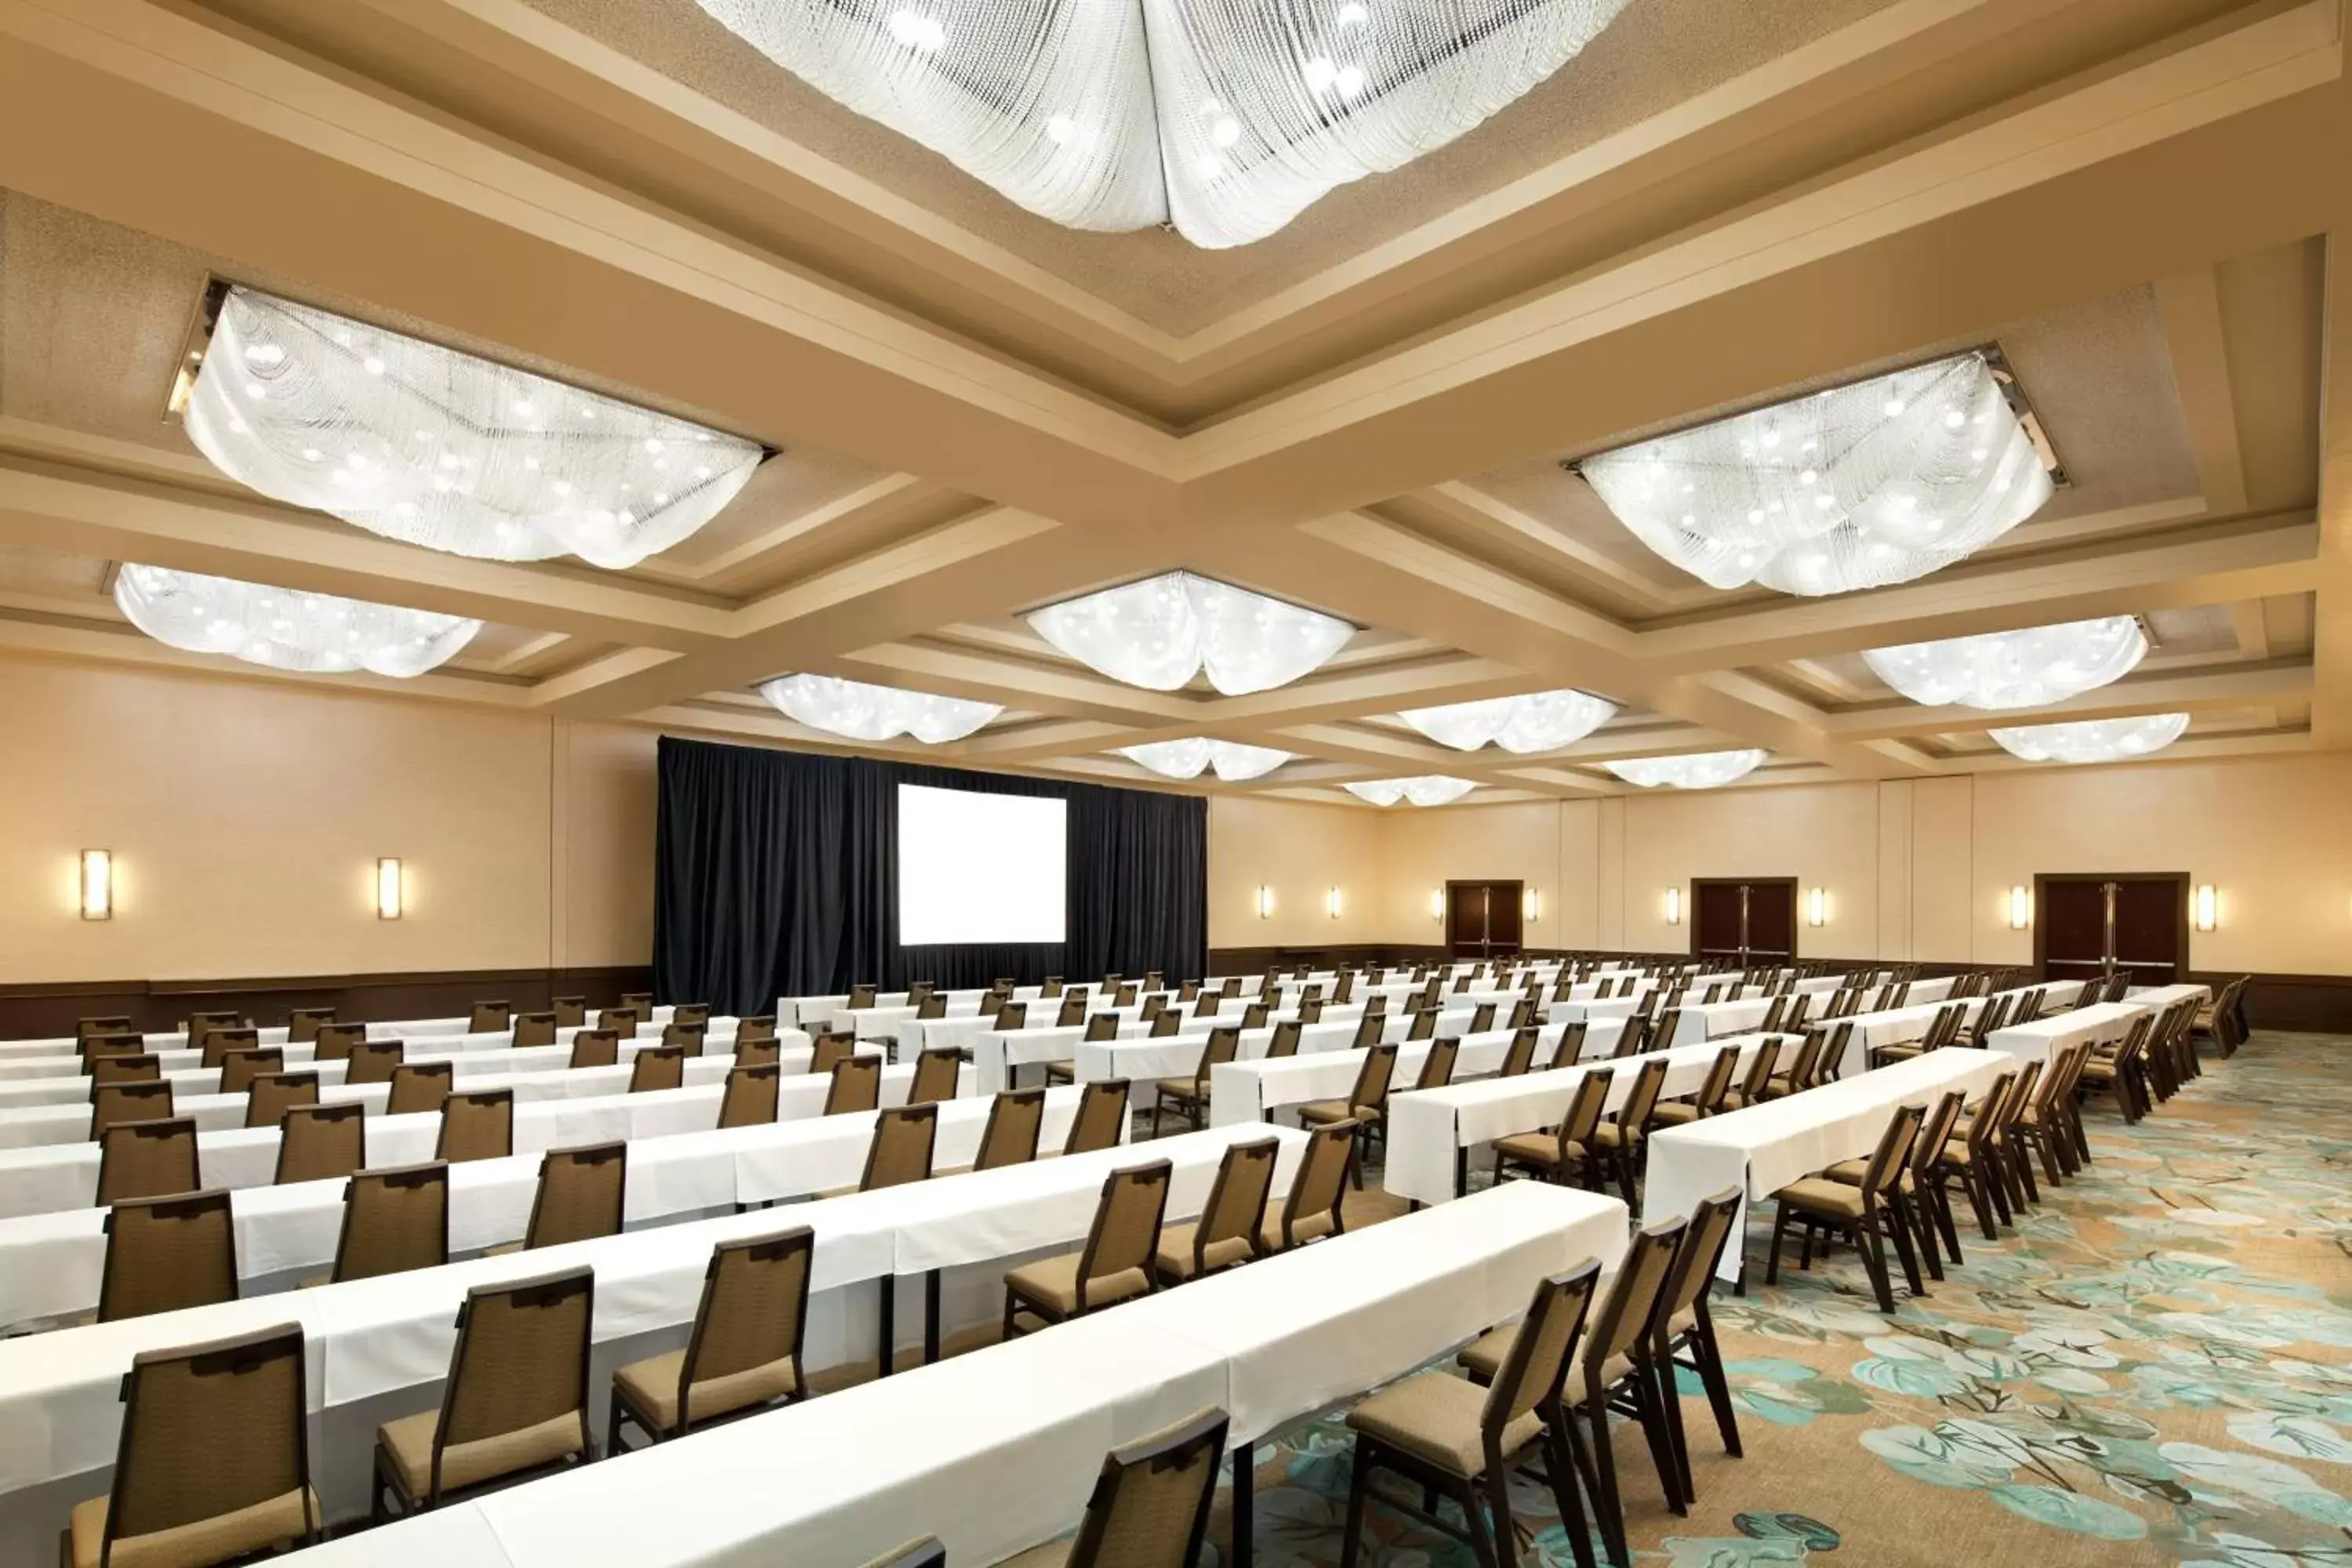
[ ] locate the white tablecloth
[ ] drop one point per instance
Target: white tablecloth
(998, 1055)
(2164, 995)
(2036, 1038)
(1259, 1089)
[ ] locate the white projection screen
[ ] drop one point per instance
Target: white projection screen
(976, 867)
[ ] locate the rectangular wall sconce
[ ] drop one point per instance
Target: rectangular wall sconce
(98, 884)
(1332, 903)
(2208, 907)
(2021, 908)
(1437, 903)
(387, 889)
(1674, 906)
(1265, 900)
(1531, 904)
(1817, 908)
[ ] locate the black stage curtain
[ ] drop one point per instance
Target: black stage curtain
(776, 874)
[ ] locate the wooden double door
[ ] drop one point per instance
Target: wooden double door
(1744, 924)
(2093, 923)
(1483, 919)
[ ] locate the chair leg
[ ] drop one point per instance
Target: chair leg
(1708, 1360)
(1499, 1502)
(2021, 1160)
(1893, 1221)
(1913, 1212)
(1603, 1461)
(1779, 1225)
(1474, 1520)
(1359, 1479)
(1561, 1471)
(1650, 1410)
(1872, 1247)
(1670, 1401)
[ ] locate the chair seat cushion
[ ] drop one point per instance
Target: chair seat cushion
(1177, 1088)
(1813, 1195)
(1483, 1357)
(650, 1386)
(1675, 1114)
(1322, 1112)
(1538, 1149)
(1614, 1135)
(1307, 1227)
(407, 1444)
(1851, 1172)
(2099, 1070)
(1434, 1416)
(274, 1522)
(1061, 1072)
(1175, 1258)
(1053, 1283)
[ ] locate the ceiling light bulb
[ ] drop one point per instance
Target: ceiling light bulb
(916, 31)
(1350, 80)
(1226, 132)
(1319, 73)
(1062, 128)
(1354, 14)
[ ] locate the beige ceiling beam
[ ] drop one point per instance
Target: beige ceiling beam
(118, 643)
(891, 507)
(2210, 690)
(2189, 304)
(2331, 694)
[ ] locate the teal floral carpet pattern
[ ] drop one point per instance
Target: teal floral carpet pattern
(2153, 1367)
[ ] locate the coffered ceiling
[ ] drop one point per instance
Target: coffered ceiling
(977, 411)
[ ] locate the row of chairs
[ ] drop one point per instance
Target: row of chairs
(304, 1025)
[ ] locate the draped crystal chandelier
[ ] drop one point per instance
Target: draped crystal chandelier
(1160, 633)
(1539, 722)
(1699, 770)
(434, 447)
(1859, 487)
(2093, 739)
(2028, 668)
(859, 711)
(283, 628)
(1224, 118)
(1430, 789)
(1234, 763)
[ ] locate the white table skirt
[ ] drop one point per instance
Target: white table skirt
(1429, 1130)
(1260, 1090)
(1765, 1147)
(2037, 1038)
(2164, 995)
(998, 1055)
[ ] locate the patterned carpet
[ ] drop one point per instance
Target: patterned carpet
(2156, 1368)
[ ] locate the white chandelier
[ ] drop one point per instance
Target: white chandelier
(285, 629)
(2013, 669)
(1539, 722)
(1234, 762)
(1160, 633)
(1432, 789)
(1226, 117)
(2093, 739)
(858, 711)
(431, 447)
(1699, 770)
(1879, 482)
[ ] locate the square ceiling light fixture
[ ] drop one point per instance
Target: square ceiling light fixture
(1162, 632)
(1882, 481)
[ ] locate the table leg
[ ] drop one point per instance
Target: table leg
(1461, 1170)
(930, 1317)
(1244, 1504)
(890, 1324)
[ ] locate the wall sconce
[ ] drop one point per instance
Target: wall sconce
(387, 889)
(1817, 908)
(1674, 906)
(1531, 904)
(1437, 903)
(1265, 900)
(2021, 908)
(2208, 907)
(97, 885)
(1332, 903)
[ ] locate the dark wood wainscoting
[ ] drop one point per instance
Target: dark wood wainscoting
(1253, 960)
(39, 1012)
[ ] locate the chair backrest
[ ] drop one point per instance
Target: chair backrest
(1626, 1313)
(220, 1041)
(419, 1086)
(302, 1024)
(1644, 1097)
(1586, 1105)
(1126, 1231)
(828, 1050)
(200, 1025)
(2018, 1098)
(1073, 1013)
(477, 1124)
(1153, 1006)
(750, 1100)
(1718, 1082)
(1255, 1015)
(1372, 1089)
(374, 1061)
(269, 1098)
(115, 1024)
(595, 1048)
(582, 1194)
(1424, 1025)
(147, 1160)
(758, 1029)
(1101, 1117)
(571, 1012)
(686, 1037)
(125, 1069)
(1125, 996)
(862, 996)
(1703, 1239)
(1772, 1014)
(534, 1029)
(642, 1001)
(112, 1104)
(696, 1012)
(1760, 1070)
(521, 1361)
(856, 1086)
(1224, 1044)
(1166, 1023)
(1541, 1347)
(758, 1053)
(489, 1018)
(657, 1067)
(1016, 1119)
(214, 1443)
(1438, 1067)
(1980, 1130)
(111, 1042)
(1569, 1050)
(1894, 1152)
(1369, 1029)
(1149, 1506)
(1211, 1003)
(904, 1137)
(1101, 1027)
(1283, 1041)
(753, 1312)
(1520, 1054)
(938, 1073)
(1631, 1032)
(1824, 1064)
(1936, 1132)
(395, 1219)
(333, 1042)
(1012, 1015)
(317, 1142)
(1320, 1186)
(239, 1068)
(623, 1021)
(1667, 1026)
(1228, 1230)
(166, 1253)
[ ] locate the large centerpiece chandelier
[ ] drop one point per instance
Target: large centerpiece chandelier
(2028, 668)
(434, 447)
(1224, 118)
(1879, 482)
(1699, 770)
(859, 711)
(285, 629)
(1234, 762)
(2093, 739)
(1430, 789)
(1160, 633)
(1537, 722)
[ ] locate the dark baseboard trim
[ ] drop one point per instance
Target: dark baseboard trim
(157, 1007)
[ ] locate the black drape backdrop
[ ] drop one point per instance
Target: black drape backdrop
(776, 874)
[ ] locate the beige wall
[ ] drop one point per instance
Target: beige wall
(1301, 852)
(246, 818)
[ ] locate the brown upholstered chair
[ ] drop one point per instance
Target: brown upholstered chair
(1073, 1012)
(375, 1061)
(147, 1160)
(856, 1086)
(198, 1027)
(163, 1254)
(750, 1100)
(690, 1013)
(1312, 1209)
(1520, 1056)
(595, 1048)
(419, 1089)
(220, 1041)
(239, 1068)
(937, 1075)
(1437, 1066)
(334, 1042)
(641, 1002)
(687, 1037)
(269, 1097)
(476, 1125)
(1190, 1093)
(214, 1463)
(1226, 1233)
(1621, 1139)
(1364, 1107)
(1567, 1149)
(318, 1142)
(571, 1012)
(395, 1219)
(94, 1048)
(862, 996)
(1709, 1097)
(622, 1021)
(1016, 1120)
(1101, 1119)
(1283, 1041)
(744, 1353)
(657, 1067)
(759, 1028)
(904, 1138)
(125, 1069)
(489, 1018)
(534, 1029)
(112, 1104)
(113, 1023)
(1569, 1048)
(1866, 1213)
(828, 1050)
(302, 1024)
(583, 1194)
(1115, 1265)
(1149, 1505)
(515, 1405)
